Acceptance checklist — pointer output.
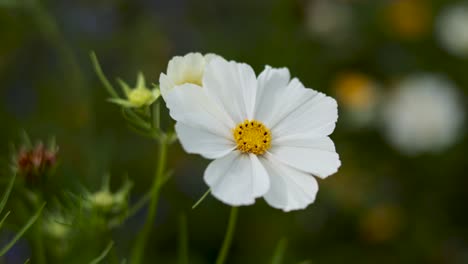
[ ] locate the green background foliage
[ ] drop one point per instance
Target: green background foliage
(381, 207)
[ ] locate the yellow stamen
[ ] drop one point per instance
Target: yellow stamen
(252, 137)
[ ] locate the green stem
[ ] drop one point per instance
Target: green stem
(183, 240)
(280, 250)
(139, 248)
(228, 237)
(39, 250)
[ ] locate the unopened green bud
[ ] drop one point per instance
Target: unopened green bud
(103, 200)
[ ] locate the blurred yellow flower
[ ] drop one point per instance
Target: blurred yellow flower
(409, 18)
(354, 90)
(381, 223)
(358, 94)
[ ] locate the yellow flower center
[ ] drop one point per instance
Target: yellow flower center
(252, 137)
(197, 80)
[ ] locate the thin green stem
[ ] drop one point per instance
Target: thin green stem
(103, 254)
(183, 240)
(102, 77)
(228, 237)
(39, 245)
(21, 232)
(201, 199)
(139, 248)
(280, 250)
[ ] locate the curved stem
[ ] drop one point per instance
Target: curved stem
(139, 248)
(228, 237)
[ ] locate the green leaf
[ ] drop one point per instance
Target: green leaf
(166, 177)
(139, 204)
(120, 101)
(3, 219)
(134, 119)
(52, 144)
(140, 81)
(140, 131)
(25, 139)
(127, 90)
(106, 182)
(97, 68)
(7, 193)
(103, 255)
(23, 230)
(201, 199)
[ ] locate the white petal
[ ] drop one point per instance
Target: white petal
(203, 142)
(290, 189)
(165, 84)
(237, 179)
(233, 85)
(211, 56)
(189, 104)
(303, 111)
(272, 85)
(313, 155)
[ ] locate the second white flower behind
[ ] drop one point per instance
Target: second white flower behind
(184, 69)
(267, 136)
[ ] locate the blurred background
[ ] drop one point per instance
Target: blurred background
(398, 69)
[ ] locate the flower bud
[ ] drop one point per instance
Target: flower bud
(34, 163)
(138, 97)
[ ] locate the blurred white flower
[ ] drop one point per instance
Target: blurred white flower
(423, 114)
(452, 30)
(268, 136)
(184, 69)
(330, 20)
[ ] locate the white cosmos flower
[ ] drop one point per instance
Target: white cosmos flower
(267, 136)
(184, 69)
(423, 114)
(452, 29)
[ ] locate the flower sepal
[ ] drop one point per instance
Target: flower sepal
(138, 97)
